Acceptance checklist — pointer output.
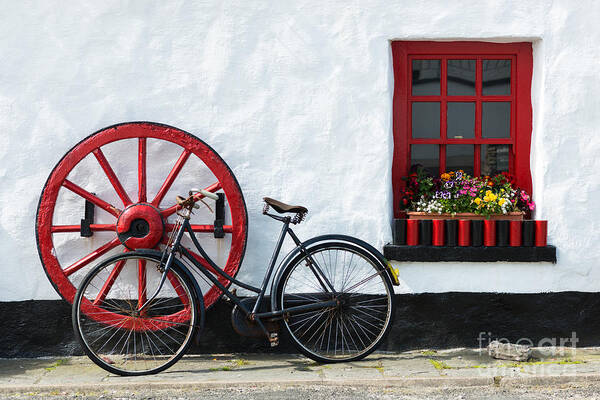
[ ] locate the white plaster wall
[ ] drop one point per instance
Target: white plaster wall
(296, 97)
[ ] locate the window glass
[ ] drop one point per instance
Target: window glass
(461, 120)
(460, 156)
(426, 156)
(426, 77)
(461, 77)
(496, 77)
(426, 120)
(494, 158)
(495, 120)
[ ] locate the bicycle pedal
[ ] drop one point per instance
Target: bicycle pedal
(274, 339)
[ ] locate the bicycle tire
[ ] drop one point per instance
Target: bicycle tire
(363, 319)
(123, 341)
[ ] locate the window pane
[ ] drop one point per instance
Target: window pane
(494, 158)
(495, 119)
(496, 77)
(425, 120)
(426, 156)
(426, 77)
(461, 120)
(460, 156)
(461, 77)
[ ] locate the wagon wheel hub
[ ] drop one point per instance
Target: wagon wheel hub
(140, 226)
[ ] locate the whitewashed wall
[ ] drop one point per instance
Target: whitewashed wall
(297, 98)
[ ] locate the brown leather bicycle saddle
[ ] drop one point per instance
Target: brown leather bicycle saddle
(284, 208)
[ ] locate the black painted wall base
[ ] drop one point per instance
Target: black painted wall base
(427, 320)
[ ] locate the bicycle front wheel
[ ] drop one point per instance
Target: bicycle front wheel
(358, 324)
(120, 337)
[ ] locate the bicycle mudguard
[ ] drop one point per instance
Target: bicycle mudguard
(384, 263)
(158, 254)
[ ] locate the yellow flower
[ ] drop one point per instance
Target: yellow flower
(477, 200)
(445, 176)
(501, 201)
(489, 196)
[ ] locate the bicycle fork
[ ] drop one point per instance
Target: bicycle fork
(167, 267)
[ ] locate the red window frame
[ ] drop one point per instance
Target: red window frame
(520, 54)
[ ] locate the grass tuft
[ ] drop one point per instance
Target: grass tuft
(55, 364)
(439, 365)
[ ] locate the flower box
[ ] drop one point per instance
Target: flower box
(456, 195)
(511, 216)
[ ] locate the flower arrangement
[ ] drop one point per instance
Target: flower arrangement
(456, 192)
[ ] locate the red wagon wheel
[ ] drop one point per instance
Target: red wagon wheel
(113, 170)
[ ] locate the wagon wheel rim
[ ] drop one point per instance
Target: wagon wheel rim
(142, 131)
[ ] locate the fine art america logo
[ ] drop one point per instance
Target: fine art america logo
(560, 344)
(547, 356)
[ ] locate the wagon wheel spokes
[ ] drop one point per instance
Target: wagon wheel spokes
(142, 170)
(77, 228)
(112, 177)
(76, 266)
(57, 231)
(171, 178)
(109, 282)
(109, 208)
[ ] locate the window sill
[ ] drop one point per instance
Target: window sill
(472, 254)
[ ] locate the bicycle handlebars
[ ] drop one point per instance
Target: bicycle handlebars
(205, 193)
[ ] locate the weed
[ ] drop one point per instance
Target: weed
(235, 363)
(225, 368)
(439, 365)
(240, 362)
(57, 363)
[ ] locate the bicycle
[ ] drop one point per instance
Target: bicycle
(333, 294)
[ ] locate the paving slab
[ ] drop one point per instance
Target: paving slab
(423, 368)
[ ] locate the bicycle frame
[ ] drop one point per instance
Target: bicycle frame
(251, 314)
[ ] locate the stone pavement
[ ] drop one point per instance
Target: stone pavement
(425, 368)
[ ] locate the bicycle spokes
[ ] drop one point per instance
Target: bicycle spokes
(357, 324)
(118, 334)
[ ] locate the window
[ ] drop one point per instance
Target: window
(462, 105)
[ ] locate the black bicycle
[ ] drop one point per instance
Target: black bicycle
(137, 313)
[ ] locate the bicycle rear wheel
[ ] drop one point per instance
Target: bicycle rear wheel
(360, 322)
(121, 339)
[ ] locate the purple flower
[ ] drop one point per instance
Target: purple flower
(449, 184)
(459, 175)
(446, 195)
